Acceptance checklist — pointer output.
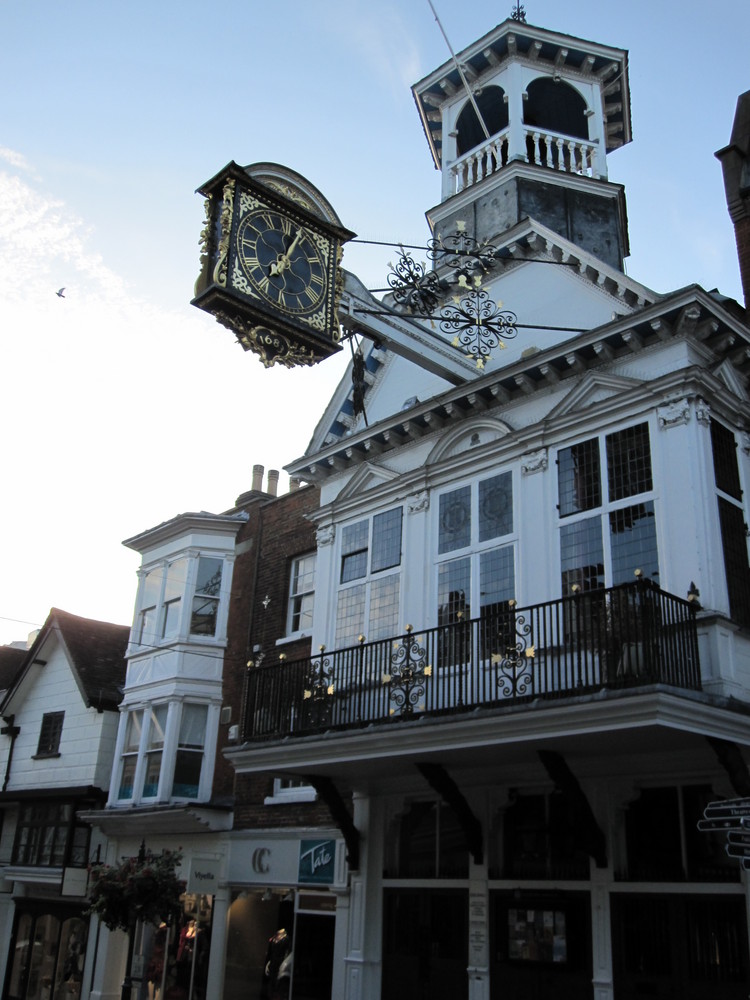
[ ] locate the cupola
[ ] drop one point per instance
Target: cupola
(530, 136)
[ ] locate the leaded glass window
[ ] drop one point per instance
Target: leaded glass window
(598, 550)
(301, 593)
(370, 548)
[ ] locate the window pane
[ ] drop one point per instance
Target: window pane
(726, 470)
(176, 581)
(495, 507)
(386, 540)
(350, 616)
(629, 462)
(582, 555)
(171, 619)
(147, 626)
(187, 774)
(127, 777)
(454, 591)
(151, 588)
(734, 545)
(157, 727)
(203, 618)
(354, 551)
(193, 726)
(209, 576)
(633, 541)
(455, 520)
(578, 478)
(51, 731)
(302, 593)
(133, 731)
(384, 607)
(151, 776)
(496, 577)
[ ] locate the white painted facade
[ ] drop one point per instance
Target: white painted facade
(599, 363)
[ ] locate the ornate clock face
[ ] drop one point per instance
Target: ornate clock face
(282, 261)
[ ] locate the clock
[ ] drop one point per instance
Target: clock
(270, 263)
(284, 263)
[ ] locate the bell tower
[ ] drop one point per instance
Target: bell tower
(531, 136)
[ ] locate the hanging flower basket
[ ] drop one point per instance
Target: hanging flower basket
(144, 888)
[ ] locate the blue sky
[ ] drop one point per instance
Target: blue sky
(122, 405)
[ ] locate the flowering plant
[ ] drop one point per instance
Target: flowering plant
(143, 888)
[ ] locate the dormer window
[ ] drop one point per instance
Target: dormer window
(169, 588)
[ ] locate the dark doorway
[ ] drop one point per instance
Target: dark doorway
(425, 944)
(313, 956)
(47, 952)
(692, 947)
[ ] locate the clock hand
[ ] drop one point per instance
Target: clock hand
(282, 262)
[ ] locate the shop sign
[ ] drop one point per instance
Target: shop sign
(203, 876)
(317, 861)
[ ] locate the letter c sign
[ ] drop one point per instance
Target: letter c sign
(259, 861)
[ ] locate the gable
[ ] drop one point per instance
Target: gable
(592, 388)
(367, 477)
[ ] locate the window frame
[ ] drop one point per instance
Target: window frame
(599, 518)
(296, 597)
(478, 548)
(166, 606)
(373, 583)
(54, 721)
(137, 757)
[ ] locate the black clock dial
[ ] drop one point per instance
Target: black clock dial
(282, 261)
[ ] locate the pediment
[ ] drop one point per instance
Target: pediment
(594, 387)
(732, 379)
(470, 434)
(367, 477)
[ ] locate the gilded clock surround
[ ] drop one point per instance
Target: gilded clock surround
(271, 249)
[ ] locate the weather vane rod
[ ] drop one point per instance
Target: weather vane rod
(461, 73)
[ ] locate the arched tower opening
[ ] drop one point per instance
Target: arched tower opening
(493, 108)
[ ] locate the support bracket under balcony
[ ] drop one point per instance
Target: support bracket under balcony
(441, 782)
(582, 820)
(340, 815)
(731, 759)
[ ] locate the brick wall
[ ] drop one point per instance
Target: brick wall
(275, 533)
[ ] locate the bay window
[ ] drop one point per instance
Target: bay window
(179, 597)
(163, 752)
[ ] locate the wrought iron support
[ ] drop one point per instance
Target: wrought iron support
(340, 815)
(731, 759)
(441, 782)
(582, 820)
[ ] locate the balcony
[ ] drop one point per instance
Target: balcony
(534, 145)
(625, 637)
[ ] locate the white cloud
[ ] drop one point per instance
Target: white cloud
(14, 159)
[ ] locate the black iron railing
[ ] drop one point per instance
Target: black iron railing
(626, 636)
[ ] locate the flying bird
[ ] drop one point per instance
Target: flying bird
(61, 292)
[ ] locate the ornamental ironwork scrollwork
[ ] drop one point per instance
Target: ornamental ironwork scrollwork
(479, 325)
(409, 673)
(319, 690)
(463, 251)
(413, 286)
(513, 666)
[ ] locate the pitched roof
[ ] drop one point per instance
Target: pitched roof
(97, 655)
(11, 660)
(97, 650)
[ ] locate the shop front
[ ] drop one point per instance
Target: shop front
(282, 918)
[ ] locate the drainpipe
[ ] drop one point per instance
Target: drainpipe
(9, 730)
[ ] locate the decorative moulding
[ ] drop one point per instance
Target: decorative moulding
(534, 461)
(674, 413)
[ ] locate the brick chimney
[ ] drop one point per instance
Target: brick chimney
(257, 478)
(273, 481)
(735, 164)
